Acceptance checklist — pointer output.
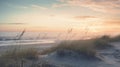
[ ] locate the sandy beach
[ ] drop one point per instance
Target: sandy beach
(72, 60)
(107, 60)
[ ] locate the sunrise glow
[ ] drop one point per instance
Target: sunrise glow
(100, 16)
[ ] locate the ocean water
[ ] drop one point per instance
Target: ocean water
(28, 38)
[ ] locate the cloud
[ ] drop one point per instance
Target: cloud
(32, 6)
(12, 23)
(59, 5)
(23, 7)
(111, 6)
(84, 17)
(38, 7)
(112, 22)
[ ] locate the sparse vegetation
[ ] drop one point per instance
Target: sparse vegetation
(80, 46)
(19, 54)
(116, 38)
(17, 58)
(102, 42)
(86, 47)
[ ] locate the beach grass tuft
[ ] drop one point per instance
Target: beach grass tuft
(17, 58)
(80, 46)
(115, 39)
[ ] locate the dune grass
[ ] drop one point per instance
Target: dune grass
(80, 46)
(86, 47)
(111, 39)
(19, 54)
(16, 58)
(102, 42)
(115, 39)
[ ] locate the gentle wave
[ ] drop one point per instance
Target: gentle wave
(25, 42)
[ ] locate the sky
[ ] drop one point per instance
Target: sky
(101, 16)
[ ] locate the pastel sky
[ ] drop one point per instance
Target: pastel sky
(57, 15)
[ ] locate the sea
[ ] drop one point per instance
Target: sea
(28, 38)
